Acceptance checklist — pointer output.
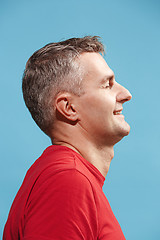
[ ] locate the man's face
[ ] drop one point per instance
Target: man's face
(100, 107)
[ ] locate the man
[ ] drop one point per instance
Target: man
(73, 97)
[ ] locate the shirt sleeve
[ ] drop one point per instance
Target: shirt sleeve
(62, 208)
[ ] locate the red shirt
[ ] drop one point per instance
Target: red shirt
(61, 198)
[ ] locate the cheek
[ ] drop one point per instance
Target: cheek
(101, 107)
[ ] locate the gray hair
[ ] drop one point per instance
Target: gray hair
(52, 69)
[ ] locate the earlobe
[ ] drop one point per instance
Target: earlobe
(64, 105)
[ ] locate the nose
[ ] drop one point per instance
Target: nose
(123, 94)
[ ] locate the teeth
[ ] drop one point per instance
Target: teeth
(116, 113)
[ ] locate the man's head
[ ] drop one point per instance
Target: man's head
(69, 89)
(53, 69)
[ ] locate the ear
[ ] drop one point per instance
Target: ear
(65, 106)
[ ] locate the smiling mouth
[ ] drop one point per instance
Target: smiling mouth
(118, 112)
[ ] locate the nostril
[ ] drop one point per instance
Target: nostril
(124, 96)
(129, 97)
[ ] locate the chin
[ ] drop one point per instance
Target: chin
(126, 130)
(123, 131)
(122, 128)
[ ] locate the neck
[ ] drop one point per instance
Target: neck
(100, 157)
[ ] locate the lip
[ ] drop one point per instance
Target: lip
(119, 115)
(118, 112)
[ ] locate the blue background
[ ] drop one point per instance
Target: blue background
(131, 32)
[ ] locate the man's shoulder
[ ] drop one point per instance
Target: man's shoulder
(55, 160)
(59, 174)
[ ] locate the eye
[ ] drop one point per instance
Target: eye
(109, 83)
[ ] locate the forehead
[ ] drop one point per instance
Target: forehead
(95, 66)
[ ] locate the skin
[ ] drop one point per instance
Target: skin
(91, 124)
